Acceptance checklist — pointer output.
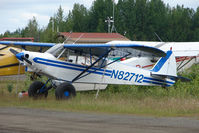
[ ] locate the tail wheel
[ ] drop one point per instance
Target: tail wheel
(37, 90)
(65, 91)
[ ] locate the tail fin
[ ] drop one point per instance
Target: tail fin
(166, 66)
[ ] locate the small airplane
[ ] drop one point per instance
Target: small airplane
(99, 70)
(186, 53)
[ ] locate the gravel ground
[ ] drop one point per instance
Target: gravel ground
(21, 120)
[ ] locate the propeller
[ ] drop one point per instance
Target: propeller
(20, 56)
(13, 51)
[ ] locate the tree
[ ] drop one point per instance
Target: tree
(179, 24)
(125, 17)
(195, 27)
(69, 22)
(31, 30)
(7, 34)
(48, 34)
(79, 18)
(100, 10)
(58, 20)
(100, 26)
(156, 20)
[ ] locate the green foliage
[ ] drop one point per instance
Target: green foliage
(10, 88)
(31, 30)
(100, 27)
(77, 20)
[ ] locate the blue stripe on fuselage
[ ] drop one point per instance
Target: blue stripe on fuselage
(159, 80)
(71, 66)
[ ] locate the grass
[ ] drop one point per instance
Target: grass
(180, 100)
(116, 104)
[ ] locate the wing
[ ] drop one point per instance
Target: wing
(179, 48)
(37, 44)
(94, 49)
(100, 49)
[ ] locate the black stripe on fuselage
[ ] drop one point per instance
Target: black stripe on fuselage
(3, 47)
(10, 65)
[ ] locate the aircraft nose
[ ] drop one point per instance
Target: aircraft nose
(23, 57)
(20, 56)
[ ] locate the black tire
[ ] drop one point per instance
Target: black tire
(34, 89)
(65, 91)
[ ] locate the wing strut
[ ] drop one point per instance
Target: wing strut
(181, 66)
(105, 65)
(105, 55)
(117, 59)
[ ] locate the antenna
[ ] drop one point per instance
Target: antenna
(79, 38)
(109, 20)
(113, 26)
(158, 37)
(64, 48)
(67, 37)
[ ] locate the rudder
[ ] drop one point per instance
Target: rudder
(166, 65)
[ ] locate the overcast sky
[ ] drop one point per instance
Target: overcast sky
(15, 14)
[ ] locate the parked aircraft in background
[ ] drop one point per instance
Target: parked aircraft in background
(99, 70)
(9, 65)
(186, 53)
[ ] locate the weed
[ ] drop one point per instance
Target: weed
(10, 88)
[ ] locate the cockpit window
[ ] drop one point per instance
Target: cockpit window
(75, 57)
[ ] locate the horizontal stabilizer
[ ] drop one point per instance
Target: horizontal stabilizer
(183, 79)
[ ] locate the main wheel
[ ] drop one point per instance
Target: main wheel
(35, 90)
(65, 91)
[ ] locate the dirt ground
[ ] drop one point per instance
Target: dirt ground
(21, 120)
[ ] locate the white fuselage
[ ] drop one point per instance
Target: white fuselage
(116, 73)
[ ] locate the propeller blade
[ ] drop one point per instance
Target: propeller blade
(28, 61)
(13, 51)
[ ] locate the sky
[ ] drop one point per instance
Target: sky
(14, 14)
